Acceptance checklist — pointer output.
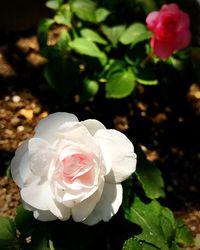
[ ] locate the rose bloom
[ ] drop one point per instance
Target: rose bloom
(73, 169)
(170, 27)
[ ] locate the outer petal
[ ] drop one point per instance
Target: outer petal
(44, 215)
(34, 195)
(170, 7)
(15, 163)
(118, 153)
(40, 156)
(93, 125)
(49, 124)
(39, 197)
(152, 20)
(183, 21)
(182, 39)
(108, 205)
(82, 210)
(162, 49)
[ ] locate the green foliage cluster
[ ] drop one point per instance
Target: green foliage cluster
(94, 50)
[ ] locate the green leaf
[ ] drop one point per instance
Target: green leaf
(25, 222)
(8, 235)
(132, 244)
(148, 217)
(86, 47)
(120, 84)
(84, 9)
(168, 224)
(183, 234)
(135, 33)
(113, 33)
(64, 15)
(145, 76)
(149, 5)
(116, 66)
(149, 176)
(54, 4)
(92, 36)
(63, 40)
(62, 74)
(43, 30)
(101, 14)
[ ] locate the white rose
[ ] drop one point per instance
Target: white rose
(71, 168)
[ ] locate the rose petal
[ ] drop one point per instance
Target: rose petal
(93, 125)
(118, 153)
(162, 49)
(83, 209)
(15, 163)
(40, 156)
(182, 39)
(34, 195)
(152, 20)
(108, 205)
(78, 136)
(44, 215)
(45, 129)
(39, 196)
(170, 7)
(183, 22)
(58, 209)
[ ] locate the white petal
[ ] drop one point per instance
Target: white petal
(47, 126)
(34, 195)
(40, 156)
(39, 197)
(82, 210)
(15, 163)
(56, 208)
(118, 153)
(93, 125)
(44, 215)
(77, 136)
(108, 205)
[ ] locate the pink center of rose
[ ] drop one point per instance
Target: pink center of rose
(75, 167)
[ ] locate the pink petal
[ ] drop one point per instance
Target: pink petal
(183, 22)
(182, 40)
(170, 7)
(163, 49)
(152, 20)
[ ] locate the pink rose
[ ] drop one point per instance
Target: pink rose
(170, 27)
(73, 169)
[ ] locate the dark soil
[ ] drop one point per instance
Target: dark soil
(165, 126)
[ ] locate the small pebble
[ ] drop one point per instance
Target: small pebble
(14, 121)
(20, 128)
(7, 98)
(16, 98)
(27, 113)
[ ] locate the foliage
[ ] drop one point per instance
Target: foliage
(93, 40)
(159, 228)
